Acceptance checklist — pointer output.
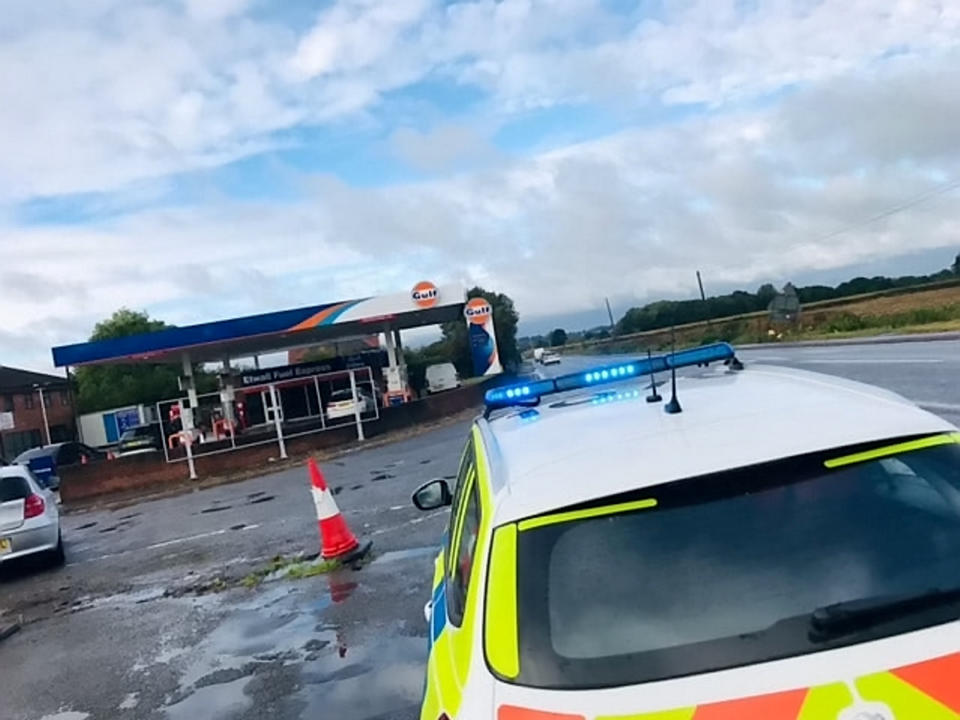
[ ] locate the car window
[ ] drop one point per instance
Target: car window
(464, 481)
(68, 454)
(14, 488)
(726, 570)
(459, 580)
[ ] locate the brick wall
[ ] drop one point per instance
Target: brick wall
(29, 420)
(149, 472)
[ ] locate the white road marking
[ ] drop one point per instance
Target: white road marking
(166, 543)
(866, 361)
(399, 507)
(942, 407)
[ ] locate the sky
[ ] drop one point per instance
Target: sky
(202, 159)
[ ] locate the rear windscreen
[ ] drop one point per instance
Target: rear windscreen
(13, 488)
(726, 570)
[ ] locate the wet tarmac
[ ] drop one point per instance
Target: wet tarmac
(153, 616)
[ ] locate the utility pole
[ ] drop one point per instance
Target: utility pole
(703, 297)
(609, 314)
(43, 411)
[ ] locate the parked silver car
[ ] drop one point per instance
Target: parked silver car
(29, 518)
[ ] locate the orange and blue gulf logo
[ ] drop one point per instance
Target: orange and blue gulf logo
(425, 294)
(477, 310)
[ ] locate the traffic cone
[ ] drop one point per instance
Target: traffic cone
(337, 542)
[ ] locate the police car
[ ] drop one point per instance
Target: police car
(761, 544)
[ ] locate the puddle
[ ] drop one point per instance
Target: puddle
(381, 476)
(214, 701)
(213, 510)
(379, 678)
(278, 645)
(238, 526)
(108, 529)
(395, 555)
(263, 499)
(356, 487)
(86, 526)
(337, 489)
(257, 494)
(425, 462)
(131, 516)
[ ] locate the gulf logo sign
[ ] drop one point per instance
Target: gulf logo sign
(425, 294)
(477, 310)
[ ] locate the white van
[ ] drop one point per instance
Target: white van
(442, 376)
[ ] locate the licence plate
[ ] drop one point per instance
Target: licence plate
(5, 546)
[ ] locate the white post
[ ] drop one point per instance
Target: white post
(186, 419)
(316, 384)
(43, 410)
(356, 405)
(163, 434)
(275, 401)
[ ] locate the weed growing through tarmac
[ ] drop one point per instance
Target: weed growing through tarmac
(295, 568)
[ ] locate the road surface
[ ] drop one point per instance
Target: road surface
(149, 619)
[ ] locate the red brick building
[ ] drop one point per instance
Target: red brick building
(22, 415)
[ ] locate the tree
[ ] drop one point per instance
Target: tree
(765, 293)
(101, 387)
(956, 265)
(505, 319)
(558, 337)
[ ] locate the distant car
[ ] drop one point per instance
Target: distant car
(442, 376)
(341, 404)
(46, 461)
(550, 358)
(29, 519)
(140, 439)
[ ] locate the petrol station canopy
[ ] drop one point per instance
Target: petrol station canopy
(425, 304)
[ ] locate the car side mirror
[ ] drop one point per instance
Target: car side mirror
(432, 495)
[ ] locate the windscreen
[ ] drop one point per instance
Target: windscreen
(726, 570)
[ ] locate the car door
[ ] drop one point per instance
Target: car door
(455, 608)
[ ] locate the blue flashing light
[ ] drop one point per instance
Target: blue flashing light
(530, 392)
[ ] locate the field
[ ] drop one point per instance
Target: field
(910, 310)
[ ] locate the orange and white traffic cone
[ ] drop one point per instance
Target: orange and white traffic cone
(337, 542)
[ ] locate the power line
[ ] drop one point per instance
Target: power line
(916, 200)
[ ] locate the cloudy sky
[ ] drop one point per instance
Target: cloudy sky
(207, 158)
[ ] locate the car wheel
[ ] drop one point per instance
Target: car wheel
(58, 557)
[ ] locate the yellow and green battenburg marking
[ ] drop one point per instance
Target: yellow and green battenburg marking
(895, 449)
(573, 515)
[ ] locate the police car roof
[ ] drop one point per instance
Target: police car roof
(571, 452)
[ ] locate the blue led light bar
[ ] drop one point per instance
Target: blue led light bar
(530, 393)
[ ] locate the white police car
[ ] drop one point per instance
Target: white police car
(771, 545)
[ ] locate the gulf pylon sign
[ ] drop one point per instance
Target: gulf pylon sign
(482, 337)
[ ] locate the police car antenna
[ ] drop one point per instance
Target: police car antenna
(673, 407)
(654, 396)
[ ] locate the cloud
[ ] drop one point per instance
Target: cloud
(748, 135)
(745, 198)
(443, 148)
(99, 94)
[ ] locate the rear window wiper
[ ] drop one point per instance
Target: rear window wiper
(852, 616)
